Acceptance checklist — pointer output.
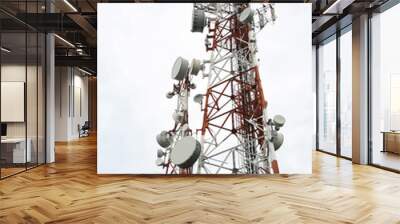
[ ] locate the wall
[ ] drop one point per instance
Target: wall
(92, 87)
(15, 72)
(71, 102)
(314, 88)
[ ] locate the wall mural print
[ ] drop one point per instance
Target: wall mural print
(204, 88)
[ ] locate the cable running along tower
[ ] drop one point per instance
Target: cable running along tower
(236, 135)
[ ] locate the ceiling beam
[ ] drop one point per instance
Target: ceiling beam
(82, 61)
(338, 6)
(86, 26)
(320, 22)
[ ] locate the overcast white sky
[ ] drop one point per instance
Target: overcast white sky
(137, 46)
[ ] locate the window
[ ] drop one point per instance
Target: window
(327, 96)
(385, 89)
(346, 94)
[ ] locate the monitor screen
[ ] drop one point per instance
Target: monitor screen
(3, 129)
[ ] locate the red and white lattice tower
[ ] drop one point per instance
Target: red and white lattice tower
(236, 135)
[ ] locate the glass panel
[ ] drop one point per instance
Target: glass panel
(41, 98)
(346, 94)
(327, 96)
(32, 95)
(23, 90)
(32, 88)
(386, 89)
(13, 93)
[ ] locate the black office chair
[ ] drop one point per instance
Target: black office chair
(84, 130)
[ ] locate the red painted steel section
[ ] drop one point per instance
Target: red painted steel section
(247, 96)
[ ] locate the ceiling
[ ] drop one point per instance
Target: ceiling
(75, 23)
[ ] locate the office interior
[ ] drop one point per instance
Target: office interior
(33, 63)
(334, 91)
(48, 101)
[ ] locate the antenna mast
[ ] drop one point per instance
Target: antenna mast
(236, 135)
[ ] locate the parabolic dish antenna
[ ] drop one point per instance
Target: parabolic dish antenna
(160, 153)
(163, 139)
(186, 152)
(198, 98)
(278, 141)
(180, 69)
(279, 121)
(196, 66)
(198, 20)
(246, 16)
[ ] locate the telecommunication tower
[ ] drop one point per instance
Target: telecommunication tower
(236, 135)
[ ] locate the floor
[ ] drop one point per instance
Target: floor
(70, 191)
(5, 172)
(386, 159)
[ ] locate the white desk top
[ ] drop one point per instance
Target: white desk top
(13, 140)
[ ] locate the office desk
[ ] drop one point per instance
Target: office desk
(391, 142)
(13, 150)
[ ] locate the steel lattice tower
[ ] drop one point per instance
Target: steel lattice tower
(236, 136)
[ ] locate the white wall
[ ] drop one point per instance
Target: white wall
(69, 81)
(62, 80)
(18, 73)
(15, 73)
(314, 88)
(136, 51)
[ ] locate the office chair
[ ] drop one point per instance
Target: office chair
(84, 130)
